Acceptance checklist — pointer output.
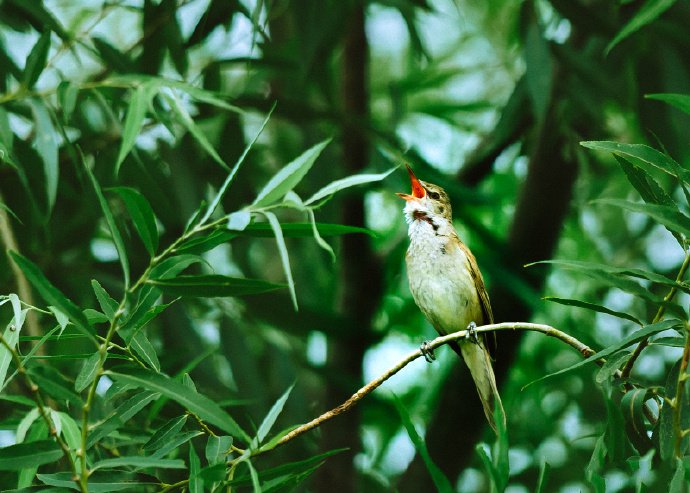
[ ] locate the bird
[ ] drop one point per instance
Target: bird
(447, 285)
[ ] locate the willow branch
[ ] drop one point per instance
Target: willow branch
(677, 402)
(659, 315)
(582, 348)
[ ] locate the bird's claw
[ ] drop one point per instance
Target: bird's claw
(427, 352)
(472, 333)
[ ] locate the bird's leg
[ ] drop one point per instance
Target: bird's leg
(427, 352)
(472, 333)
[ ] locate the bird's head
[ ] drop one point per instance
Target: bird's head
(426, 202)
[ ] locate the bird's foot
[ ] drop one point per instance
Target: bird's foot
(427, 352)
(472, 333)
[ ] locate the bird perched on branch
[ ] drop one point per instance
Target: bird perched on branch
(447, 285)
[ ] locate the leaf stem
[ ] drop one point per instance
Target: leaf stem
(677, 402)
(627, 369)
(38, 399)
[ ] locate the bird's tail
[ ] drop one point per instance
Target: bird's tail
(478, 361)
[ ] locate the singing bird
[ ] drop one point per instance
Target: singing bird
(446, 283)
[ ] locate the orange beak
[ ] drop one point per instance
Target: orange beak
(418, 191)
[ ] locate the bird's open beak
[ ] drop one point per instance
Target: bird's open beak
(418, 191)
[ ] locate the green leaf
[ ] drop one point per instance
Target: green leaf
(99, 481)
(667, 428)
(108, 305)
(52, 294)
(11, 337)
(609, 369)
(46, 144)
(271, 417)
(36, 61)
(23, 455)
(120, 416)
(196, 484)
(239, 220)
(284, 258)
(139, 462)
(288, 177)
(186, 120)
(643, 153)
(441, 482)
(303, 230)
(142, 216)
(67, 93)
(231, 176)
(632, 405)
(543, 477)
(165, 433)
(678, 482)
(145, 350)
(593, 307)
(636, 336)
(112, 226)
(136, 112)
(680, 101)
(88, 372)
(348, 182)
(200, 405)
(217, 448)
(647, 14)
(175, 442)
(210, 286)
(670, 217)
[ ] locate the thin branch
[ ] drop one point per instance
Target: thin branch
(582, 348)
(627, 369)
(677, 402)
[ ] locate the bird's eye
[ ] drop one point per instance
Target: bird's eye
(434, 195)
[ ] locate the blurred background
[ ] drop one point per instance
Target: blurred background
(487, 98)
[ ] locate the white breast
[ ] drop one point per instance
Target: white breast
(440, 278)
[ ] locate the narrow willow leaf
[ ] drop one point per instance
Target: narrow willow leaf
(217, 448)
(231, 176)
(272, 415)
(51, 294)
(303, 230)
(165, 433)
(112, 226)
(46, 144)
(645, 15)
(123, 413)
(145, 350)
(88, 372)
(488, 466)
(70, 432)
(678, 482)
(99, 482)
(632, 406)
(670, 217)
(11, 337)
(107, 304)
(175, 442)
(289, 176)
(23, 455)
(67, 93)
(543, 477)
(25, 424)
(197, 403)
(611, 366)
(172, 266)
(142, 216)
(593, 307)
(607, 269)
(680, 101)
(239, 220)
(62, 318)
(196, 484)
(284, 258)
(441, 482)
(636, 336)
(136, 112)
(317, 237)
(348, 182)
(188, 122)
(36, 61)
(139, 462)
(210, 286)
(643, 153)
